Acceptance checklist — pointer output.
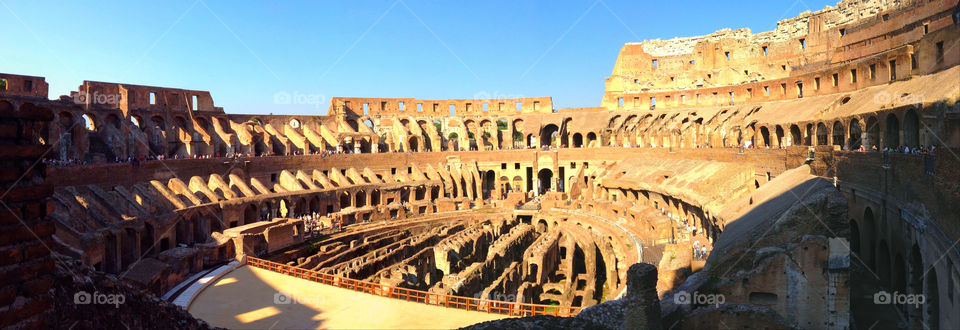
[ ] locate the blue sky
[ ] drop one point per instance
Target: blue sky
(245, 53)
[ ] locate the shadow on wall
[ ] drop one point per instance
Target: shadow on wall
(791, 205)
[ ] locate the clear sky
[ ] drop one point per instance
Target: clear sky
(245, 53)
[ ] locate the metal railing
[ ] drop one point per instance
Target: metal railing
(423, 297)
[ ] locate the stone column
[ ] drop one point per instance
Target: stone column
(644, 305)
(638, 309)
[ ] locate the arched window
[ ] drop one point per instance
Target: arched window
(88, 122)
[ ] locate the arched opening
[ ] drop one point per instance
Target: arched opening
(518, 134)
(345, 200)
(883, 264)
(110, 253)
(838, 133)
(266, 211)
(795, 136)
(577, 140)
(592, 140)
(517, 184)
(892, 135)
(315, 204)
(413, 144)
(765, 136)
(809, 138)
(455, 140)
(88, 122)
(420, 193)
(854, 237)
(360, 199)
(867, 240)
(489, 183)
(548, 135)
(283, 211)
(147, 241)
(544, 180)
(911, 129)
(873, 133)
(542, 226)
(779, 132)
(531, 141)
(855, 133)
(300, 208)
(822, 134)
(375, 197)
(249, 216)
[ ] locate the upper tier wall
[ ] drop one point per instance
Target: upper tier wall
(20, 85)
(917, 37)
(357, 106)
(126, 97)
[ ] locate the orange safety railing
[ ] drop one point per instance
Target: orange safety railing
(423, 297)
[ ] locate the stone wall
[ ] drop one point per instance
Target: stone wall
(26, 233)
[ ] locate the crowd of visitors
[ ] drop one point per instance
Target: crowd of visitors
(313, 225)
(916, 150)
(699, 252)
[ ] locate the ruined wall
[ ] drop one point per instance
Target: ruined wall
(356, 106)
(835, 50)
(20, 85)
(127, 97)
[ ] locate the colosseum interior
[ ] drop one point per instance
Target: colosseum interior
(782, 179)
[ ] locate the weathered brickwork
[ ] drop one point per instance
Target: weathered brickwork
(27, 241)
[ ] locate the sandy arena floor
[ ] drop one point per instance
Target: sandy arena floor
(251, 298)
